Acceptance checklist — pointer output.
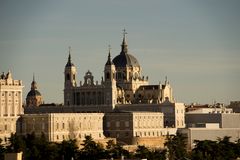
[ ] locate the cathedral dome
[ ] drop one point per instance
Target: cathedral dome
(33, 93)
(124, 58)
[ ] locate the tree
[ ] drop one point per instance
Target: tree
(227, 148)
(2, 150)
(118, 151)
(142, 152)
(158, 155)
(206, 149)
(219, 150)
(237, 148)
(176, 145)
(68, 149)
(17, 143)
(52, 152)
(91, 150)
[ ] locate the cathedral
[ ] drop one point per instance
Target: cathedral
(122, 83)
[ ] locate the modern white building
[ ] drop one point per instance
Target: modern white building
(211, 126)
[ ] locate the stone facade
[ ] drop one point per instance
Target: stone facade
(174, 113)
(10, 96)
(10, 104)
(63, 126)
(130, 127)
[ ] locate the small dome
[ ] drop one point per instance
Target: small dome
(124, 60)
(33, 93)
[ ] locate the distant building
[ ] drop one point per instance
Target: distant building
(209, 133)
(206, 108)
(211, 126)
(10, 104)
(225, 120)
(34, 97)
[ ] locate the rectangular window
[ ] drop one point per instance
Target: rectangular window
(126, 123)
(43, 126)
(108, 124)
(117, 124)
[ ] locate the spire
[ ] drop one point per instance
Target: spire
(69, 63)
(33, 77)
(69, 54)
(33, 84)
(2, 76)
(124, 43)
(165, 79)
(109, 61)
(9, 75)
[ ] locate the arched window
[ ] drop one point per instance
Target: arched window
(108, 75)
(68, 76)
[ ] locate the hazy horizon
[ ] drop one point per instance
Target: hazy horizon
(196, 44)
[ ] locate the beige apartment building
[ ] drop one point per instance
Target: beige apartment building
(10, 104)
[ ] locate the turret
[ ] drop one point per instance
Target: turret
(70, 73)
(109, 70)
(110, 82)
(70, 80)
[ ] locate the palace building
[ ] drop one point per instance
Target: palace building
(10, 104)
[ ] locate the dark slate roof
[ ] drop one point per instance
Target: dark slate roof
(109, 61)
(125, 59)
(33, 93)
(69, 64)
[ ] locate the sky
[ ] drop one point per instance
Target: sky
(196, 44)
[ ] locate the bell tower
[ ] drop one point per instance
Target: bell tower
(110, 82)
(69, 80)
